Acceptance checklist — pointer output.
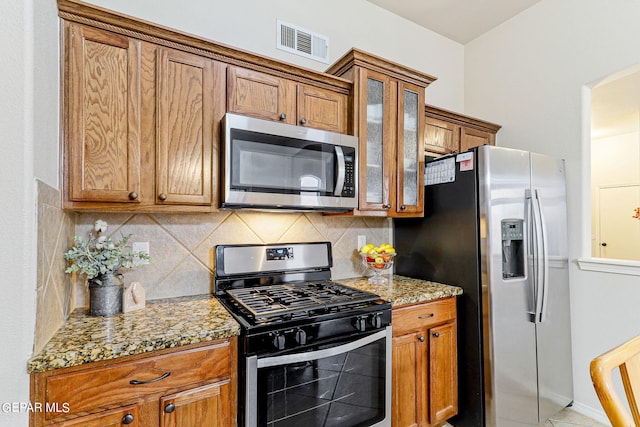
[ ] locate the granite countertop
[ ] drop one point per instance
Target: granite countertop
(182, 321)
(401, 290)
(162, 324)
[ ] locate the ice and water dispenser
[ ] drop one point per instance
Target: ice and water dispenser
(512, 248)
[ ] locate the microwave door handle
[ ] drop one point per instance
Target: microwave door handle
(341, 172)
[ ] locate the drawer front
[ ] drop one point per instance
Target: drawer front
(419, 316)
(116, 384)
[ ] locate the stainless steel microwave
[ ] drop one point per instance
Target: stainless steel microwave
(271, 165)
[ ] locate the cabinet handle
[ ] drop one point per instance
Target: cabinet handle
(386, 206)
(162, 196)
(169, 408)
(303, 121)
(436, 334)
(133, 195)
(421, 339)
(428, 316)
(127, 419)
(403, 207)
(283, 116)
(603, 244)
(161, 377)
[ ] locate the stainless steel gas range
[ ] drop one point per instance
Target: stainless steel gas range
(312, 352)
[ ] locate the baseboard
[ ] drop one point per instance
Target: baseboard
(588, 411)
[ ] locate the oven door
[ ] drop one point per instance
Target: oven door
(347, 384)
(271, 165)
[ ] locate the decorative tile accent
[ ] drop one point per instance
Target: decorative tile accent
(54, 289)
(182, 245)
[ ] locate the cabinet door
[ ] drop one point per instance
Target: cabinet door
(206, 406)
(125, 416)
(322, 109)
(409, 406)
(102, 116)
(441, 137)
(470, 138)
(377, 132)
(185, 98)
(260, 95)
(443, 373)
(410, 161)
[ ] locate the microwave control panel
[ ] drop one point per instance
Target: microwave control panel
(349, 189)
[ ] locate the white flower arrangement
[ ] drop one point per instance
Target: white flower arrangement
(101, 255)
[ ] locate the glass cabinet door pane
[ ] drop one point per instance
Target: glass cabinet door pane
(375, 109)
(410, 194)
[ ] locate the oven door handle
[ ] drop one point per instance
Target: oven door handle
(319, 354)
(341, 172)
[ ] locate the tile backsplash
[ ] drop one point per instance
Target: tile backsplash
(54, 291)
(182, 245)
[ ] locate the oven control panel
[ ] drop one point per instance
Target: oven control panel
(279, 254)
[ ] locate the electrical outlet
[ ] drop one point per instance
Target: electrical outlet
(362, 240)
(141, 247)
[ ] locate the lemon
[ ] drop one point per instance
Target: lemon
(390, 250)
(365, 248)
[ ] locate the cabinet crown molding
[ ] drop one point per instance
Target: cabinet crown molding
(460, 119)
(357, 57)
(88, 14)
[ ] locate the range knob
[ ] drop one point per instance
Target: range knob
(300, 337)
(278, 341)
(360, 323)
(376, 320)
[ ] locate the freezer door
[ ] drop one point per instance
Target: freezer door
(554, 322)
(510, 356)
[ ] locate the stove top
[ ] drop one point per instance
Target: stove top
(279, 302)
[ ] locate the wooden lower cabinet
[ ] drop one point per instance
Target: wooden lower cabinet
(193, 387)
(425, 376)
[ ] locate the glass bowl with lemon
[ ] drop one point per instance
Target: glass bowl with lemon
(377, 259)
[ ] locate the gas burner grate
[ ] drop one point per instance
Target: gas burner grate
(291, 300)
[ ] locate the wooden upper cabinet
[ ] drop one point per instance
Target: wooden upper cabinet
(447, 132)
(470, 138)
(264, 96)
(102, 116)
(389, 121)
(410, 158)
(141, 124)
(185, 105)
(441, 137)
(321, 108)
(260, 95)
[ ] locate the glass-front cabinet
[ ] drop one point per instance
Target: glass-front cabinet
(389, 120)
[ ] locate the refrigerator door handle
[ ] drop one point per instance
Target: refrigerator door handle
(543, 261)
(532, 251)
(536, 251)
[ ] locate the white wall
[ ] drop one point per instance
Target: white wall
(28, 119)
(529, 75)
(251, 25)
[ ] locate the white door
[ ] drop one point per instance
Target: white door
(619, 231)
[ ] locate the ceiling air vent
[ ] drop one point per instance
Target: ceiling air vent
(294, 39)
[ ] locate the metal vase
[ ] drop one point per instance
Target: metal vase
(105, 295)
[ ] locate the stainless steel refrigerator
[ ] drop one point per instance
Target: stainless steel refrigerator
(495, 224)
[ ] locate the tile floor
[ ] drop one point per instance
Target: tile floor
(568, 418)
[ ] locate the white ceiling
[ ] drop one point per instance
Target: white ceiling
(615, 102)
(459, 20)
